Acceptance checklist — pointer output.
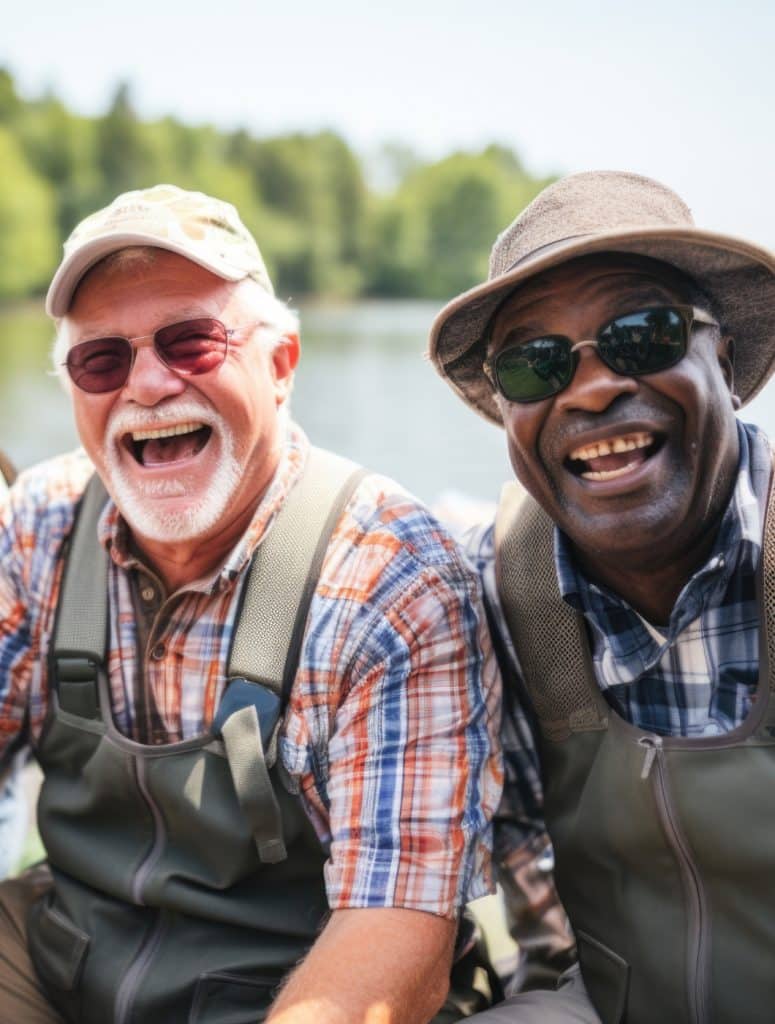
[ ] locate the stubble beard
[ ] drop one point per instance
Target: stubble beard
(140, 505)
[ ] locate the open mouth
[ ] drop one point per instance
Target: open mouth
(614, 456)
(164, 445)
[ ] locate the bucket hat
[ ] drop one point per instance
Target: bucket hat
(611, 212)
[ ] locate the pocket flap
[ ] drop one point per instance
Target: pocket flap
(606, 976)
(225, 997)
(60, 948)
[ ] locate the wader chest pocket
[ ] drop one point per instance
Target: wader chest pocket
(226, 998)
(59, 948)
(606, 976)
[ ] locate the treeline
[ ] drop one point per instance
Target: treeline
(323, 226)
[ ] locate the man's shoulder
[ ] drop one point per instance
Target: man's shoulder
(43, 499)
(389, 528)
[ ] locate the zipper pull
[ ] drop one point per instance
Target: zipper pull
(653, 745)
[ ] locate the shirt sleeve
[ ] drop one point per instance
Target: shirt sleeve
(16, 659)
(523, 853)
(408, 775)
(520, 814)
(36, 516)
(411, 785)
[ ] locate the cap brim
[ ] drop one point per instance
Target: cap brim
(740, 277)
(75, 266)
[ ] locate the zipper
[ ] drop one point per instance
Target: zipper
(152, 857)
(698, 953)
(131, 980)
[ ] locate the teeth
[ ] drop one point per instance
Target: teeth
(626, 443)
(181, 428)
(607, 474)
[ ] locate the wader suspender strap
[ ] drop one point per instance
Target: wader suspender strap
(80, 638)
(549, 637)
(267, 641)
(767, 570)
(268, 635)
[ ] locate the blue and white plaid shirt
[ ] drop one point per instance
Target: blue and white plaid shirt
(694, 676)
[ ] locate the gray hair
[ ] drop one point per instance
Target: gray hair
(277, 319)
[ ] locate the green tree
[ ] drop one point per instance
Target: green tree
(10, 104)
(434, 235)
(124, 157)
(28, 237)
(424, 230)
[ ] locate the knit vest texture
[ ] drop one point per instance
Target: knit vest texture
(188, 879)
(663, 846)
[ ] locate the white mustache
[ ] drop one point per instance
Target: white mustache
(125, 421)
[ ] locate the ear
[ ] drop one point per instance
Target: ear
(726, 359)
(285, 357)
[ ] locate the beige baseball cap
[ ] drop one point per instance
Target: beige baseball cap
(205, 230)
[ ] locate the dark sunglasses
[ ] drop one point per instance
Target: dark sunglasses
(646, 341)
(190, 348)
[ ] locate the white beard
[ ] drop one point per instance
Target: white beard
(137, 502)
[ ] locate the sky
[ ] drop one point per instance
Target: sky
(680, 91)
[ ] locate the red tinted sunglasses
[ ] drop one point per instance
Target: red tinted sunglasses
(190, 348)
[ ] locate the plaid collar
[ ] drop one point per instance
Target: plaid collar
(737, 548)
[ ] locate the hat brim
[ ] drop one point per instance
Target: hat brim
(738, 275)
(75, 266)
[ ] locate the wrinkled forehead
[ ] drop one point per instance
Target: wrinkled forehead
(588, 279)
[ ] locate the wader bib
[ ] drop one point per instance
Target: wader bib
(188, 879)
(664, 847)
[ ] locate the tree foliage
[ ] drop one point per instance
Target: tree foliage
(28, 236)
(323, 229)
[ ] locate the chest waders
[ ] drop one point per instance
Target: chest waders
(664, 847)
(188, 879)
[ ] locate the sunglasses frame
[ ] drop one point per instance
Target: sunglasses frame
(150, 341)
(689, 314)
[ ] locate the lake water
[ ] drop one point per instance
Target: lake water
(363, 388)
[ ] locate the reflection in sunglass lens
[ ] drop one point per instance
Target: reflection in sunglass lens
(644, 342)
(191, 347)
(535, 370)
(194, 346)
(100, 365)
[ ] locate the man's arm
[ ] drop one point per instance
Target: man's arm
(522, 851)
(371, 966)
(406, 775)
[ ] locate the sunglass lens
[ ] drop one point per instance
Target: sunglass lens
(100, 365)
(644, 342)
(193, 346)
(535, 370)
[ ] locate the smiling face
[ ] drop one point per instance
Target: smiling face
(628, 467)
(183, 457)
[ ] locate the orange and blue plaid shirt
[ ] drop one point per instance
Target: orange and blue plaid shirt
(391, 725)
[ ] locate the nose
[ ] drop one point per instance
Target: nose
(150, 381)
(594, 385)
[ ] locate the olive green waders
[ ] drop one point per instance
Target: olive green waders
(187, 878)
(664, 846)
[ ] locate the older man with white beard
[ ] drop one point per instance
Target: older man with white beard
(251, 673)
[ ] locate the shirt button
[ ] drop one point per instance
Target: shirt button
(158, 651)
(147, 593)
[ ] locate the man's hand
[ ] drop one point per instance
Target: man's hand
(376, 966)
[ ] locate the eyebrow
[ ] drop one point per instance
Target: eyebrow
(186, 313)
(520, 332)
